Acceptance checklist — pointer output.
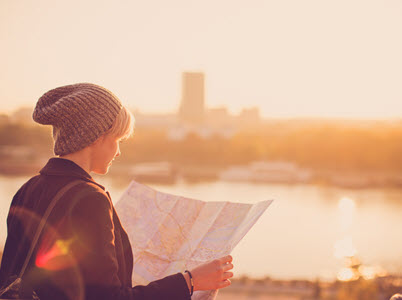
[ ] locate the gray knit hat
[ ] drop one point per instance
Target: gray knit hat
(80, 114)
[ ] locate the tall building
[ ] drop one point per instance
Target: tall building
(249, 116)
(192, 98)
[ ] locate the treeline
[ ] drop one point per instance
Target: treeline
(22, 134)
(36, 140)
(325, 145)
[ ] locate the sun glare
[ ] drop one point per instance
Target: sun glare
(344, 248)
(347, 274)
(346, 205)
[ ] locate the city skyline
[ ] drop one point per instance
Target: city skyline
(291, 59)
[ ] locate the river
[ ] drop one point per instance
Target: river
(303, 234)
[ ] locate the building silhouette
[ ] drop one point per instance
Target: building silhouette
(193, 98)
(249, 116)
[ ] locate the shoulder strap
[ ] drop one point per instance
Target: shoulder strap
(42, 223)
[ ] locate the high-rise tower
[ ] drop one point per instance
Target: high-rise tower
(192, 97)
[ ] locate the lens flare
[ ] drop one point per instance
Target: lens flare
(58, 257)
(54, 254)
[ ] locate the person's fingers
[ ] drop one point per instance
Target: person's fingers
(224, 283)
(226, 259)
(227, 275)
(227, 267)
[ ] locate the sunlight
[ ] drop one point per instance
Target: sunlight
(347, 274)
(346, 207)
(368, 272)
(346, 204)
(344, 248)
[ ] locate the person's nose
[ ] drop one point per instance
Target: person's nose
(118, 152)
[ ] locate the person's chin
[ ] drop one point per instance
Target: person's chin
(102, 171)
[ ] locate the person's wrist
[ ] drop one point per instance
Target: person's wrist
(191, 280)
(188, 281)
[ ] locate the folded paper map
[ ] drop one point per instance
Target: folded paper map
(170, 233)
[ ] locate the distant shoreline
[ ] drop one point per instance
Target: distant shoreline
(169, 173)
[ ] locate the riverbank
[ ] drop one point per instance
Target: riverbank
(380, 288)
(257, 172)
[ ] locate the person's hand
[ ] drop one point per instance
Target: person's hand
(213, 275)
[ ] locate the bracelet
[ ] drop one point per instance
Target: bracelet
(191, 281)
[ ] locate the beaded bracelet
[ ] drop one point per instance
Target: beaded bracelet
(191, 281)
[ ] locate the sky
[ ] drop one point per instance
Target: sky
(290, 58)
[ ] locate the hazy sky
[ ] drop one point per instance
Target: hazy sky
(291, 58)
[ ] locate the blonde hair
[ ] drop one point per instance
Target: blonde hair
(123, 126)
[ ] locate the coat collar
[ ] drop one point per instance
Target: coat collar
(57, 166)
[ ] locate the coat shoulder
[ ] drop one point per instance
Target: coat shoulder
(91, 192)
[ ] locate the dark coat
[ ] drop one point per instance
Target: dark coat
(83, 252)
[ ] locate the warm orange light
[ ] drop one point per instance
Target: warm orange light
(368, 272)
(57, 257)
(344, 248)
(347, 274)
(346, 205)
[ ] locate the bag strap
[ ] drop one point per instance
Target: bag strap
(42, 223)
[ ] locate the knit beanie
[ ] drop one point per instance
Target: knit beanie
(79, 113)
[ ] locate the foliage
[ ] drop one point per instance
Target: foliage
(20, 134)
(318, 145)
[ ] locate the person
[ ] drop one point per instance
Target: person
(83, 251)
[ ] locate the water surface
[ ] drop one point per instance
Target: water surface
(298, 234)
